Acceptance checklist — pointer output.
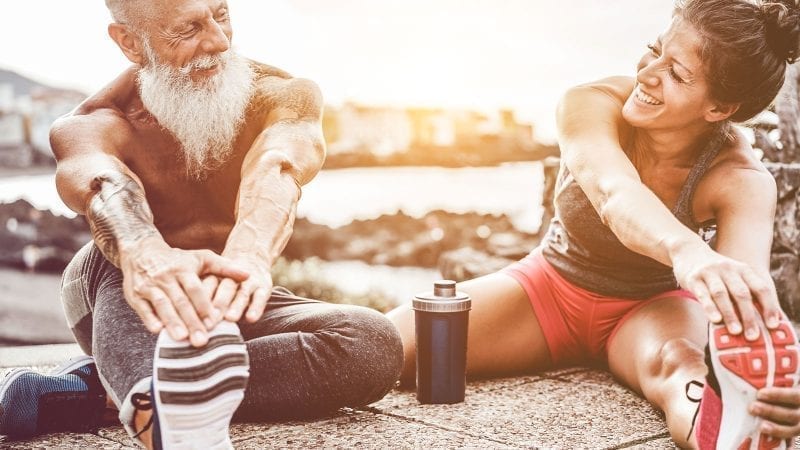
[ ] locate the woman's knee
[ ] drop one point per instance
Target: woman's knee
(678, 356)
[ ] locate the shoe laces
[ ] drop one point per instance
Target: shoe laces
(143, 402)
(697, 400)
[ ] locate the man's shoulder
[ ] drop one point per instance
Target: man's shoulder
(276, 88)
(100, 119)
(265, 71)
(110, 102)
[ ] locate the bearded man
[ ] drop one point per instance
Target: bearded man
(188, 168)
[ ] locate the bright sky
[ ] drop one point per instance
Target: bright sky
(482, 54)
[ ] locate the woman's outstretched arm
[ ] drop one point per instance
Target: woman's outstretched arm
(589, 120)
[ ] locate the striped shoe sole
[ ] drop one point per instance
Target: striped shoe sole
(197, 390)
(742, 368)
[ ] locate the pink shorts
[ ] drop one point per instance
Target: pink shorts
(577, 324)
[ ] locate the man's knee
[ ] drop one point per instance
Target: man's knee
(374, 351)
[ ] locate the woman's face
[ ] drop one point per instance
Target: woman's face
(671, 91)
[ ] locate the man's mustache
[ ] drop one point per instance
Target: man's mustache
(203, 62)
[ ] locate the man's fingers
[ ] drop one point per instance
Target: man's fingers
(239, 303)
(197, 331)
(145, 312)
(200, 298)
(257, 305)
(210, 284)
(224, 296)
(743, 299)
(166, 313)
(765, 295)
(213, 264)
(719, 293)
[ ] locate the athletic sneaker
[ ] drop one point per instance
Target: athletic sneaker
(69, 398)
(197, 390)
(737, 370)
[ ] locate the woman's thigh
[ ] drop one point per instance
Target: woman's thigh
(663, 337)
(504, 335)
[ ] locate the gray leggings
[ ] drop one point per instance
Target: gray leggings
(307, 358)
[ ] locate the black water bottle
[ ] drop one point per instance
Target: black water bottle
(441, 320)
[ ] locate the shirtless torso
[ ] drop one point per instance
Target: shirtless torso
(150, 217)
(189, 213)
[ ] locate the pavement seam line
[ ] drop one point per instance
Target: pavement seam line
(638, 441)
(377, 411)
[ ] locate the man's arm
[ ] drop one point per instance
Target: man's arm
(286, 155)
(161, 283)
(588, 123)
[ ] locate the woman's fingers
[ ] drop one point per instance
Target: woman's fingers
(743, 300)
(764, 293)
(700, 291)
(719, 294)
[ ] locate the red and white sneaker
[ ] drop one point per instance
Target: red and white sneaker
(737, 369)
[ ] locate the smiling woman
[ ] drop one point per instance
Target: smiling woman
(623, 278)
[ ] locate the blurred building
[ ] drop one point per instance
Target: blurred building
(381, 131)
(27, 110)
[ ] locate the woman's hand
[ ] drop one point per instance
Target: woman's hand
(727, 289)
(780, 409)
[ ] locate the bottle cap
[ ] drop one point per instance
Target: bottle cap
(444, 298)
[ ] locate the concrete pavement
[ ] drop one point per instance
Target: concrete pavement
(564, 409)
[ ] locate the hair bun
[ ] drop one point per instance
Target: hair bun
(783, 28)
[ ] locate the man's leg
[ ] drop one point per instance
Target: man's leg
(658, 352)
(122, 347)
(309, 358)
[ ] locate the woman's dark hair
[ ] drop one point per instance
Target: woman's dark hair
(746, 48)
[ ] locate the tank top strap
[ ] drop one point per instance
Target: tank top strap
(683, 207)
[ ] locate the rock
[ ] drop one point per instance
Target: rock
(785, 263)
(785, 270)
(39, 240)
(401, 240)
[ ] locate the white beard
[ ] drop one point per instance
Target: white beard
(203, 116)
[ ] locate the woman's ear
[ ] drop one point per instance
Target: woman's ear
(721, 111)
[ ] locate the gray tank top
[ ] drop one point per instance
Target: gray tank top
(587, 253)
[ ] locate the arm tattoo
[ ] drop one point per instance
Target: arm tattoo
(118, 213)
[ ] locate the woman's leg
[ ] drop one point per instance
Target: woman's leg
(504, 335)
(658, 352)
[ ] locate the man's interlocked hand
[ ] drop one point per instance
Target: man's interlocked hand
(163, 285)
(233, 298)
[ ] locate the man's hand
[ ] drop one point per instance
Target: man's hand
(162, 284)
(232, 298)
(780, 410)
(727, 289)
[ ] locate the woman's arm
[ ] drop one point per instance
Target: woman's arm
(589, 119)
